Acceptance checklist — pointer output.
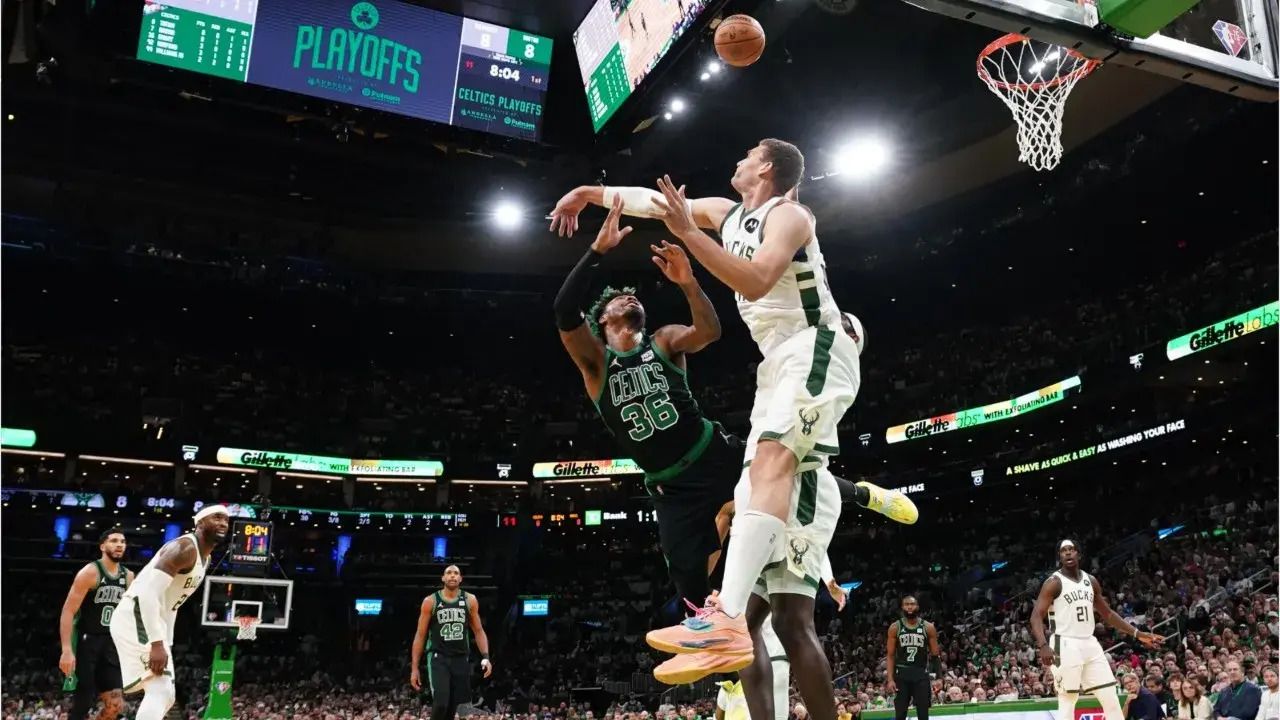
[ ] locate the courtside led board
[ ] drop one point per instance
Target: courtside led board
(381, 54)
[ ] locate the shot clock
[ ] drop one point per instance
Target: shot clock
(251, 542)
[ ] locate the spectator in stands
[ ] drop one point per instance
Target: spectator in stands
(1141, 703)
(1269, 706)
(1240, 699)
(1192, 703)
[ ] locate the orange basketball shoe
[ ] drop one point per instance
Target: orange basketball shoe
(685, 669)
(708, 630)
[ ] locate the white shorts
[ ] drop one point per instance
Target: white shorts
(134, 647)
(1080, 665)
(796, 566)
(803, 388)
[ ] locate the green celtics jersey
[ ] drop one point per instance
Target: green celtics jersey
(913, 646)
(94, 616)
(448, 632)
(645, 402)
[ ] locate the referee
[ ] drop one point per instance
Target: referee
(908, 676)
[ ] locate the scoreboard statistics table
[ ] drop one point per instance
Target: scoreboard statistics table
(383, 55)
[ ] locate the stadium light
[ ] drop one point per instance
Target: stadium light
(677, 105)
(713, 67)
(862, 158)
(506, 215)
(666, 115)
(705, 76)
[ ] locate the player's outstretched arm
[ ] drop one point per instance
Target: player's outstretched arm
(420, 640)
(83, 583)
(791, 229)
(1049, 591)
(583, 346)
(1108, 616)
(477, 629)
(677, 340)
(709, 212)
(935, 650)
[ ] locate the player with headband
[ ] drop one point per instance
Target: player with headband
(142, 626)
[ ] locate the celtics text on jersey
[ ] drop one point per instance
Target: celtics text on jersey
(448, 632)
(96, 609)
(646, 403)
(912, 653)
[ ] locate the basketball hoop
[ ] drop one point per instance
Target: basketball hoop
(1034, 79)
(248, 627)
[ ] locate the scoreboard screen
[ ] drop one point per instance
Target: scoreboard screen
(251, 542)
(378, 54)
(619, 43)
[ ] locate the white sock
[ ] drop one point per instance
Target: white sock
(1110, 702)
(157, 697)
(781, 689)
(754, 535)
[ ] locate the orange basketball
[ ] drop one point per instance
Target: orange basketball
(739, 40)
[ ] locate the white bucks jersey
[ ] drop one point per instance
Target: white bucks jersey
(1072, 612)
(183, 586)
(800, 299)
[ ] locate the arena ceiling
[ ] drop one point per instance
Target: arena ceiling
(884, 68)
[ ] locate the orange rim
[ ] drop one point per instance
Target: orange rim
(1087, 66)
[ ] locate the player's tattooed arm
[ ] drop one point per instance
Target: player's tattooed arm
(676, 340)
(1108, 616)
(586, 350)
(1049, 591)
(420, 641)
(177, 557)
(790, 228)
(83, 583)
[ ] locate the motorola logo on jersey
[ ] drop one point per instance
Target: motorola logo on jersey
(751, 225)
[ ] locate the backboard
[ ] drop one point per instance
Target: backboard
(227, 597)
(1226, 45)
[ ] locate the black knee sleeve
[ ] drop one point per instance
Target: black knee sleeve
(82, 702)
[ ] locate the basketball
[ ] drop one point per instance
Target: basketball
(739, 40)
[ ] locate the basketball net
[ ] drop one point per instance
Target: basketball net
(248, 627)
(1034, 80)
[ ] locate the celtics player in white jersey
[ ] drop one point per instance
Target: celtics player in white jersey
(787, 503)
(143, 623)
(1073, 602)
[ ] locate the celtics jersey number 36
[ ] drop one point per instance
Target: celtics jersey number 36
(646, 404)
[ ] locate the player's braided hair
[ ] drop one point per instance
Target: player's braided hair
(597, 308)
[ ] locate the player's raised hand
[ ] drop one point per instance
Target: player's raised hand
(610, 235)
(673, 263)
(1149, 640)
(67, 663)
(674, 209)
(564, 218)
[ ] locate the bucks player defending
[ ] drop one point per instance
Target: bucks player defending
(449, 616)
(142, 626)
(89, 659)
(911, 643)
(638, 383)
(1073, 602)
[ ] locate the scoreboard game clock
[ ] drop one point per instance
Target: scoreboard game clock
(251, 542)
